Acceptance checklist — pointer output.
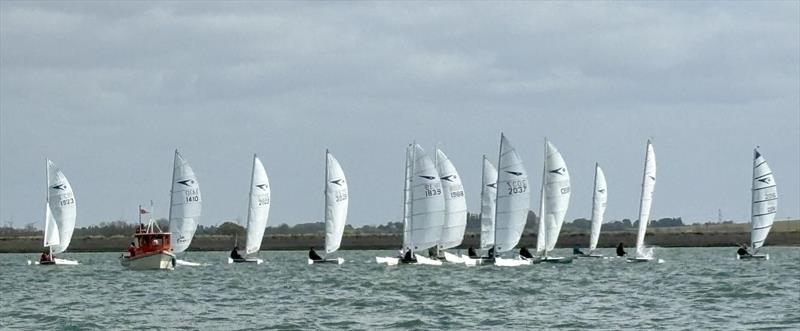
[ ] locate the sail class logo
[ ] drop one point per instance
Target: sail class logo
(492, 185)
(449, 178)
(602, 190)
(559, 171)
(187, 182)
(764, 180)
(652, 177)
(428, 177)
(338, 181)
(515, 173)
(262, 186)
(59, 187)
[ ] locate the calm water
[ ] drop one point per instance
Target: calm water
(695, 288)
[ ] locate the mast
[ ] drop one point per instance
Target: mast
(249, 202)
(411, 192)
(169, 219)
(436, 166)
(483, 180)
(594, 195)
(406, 222)
(541, 237)
(752, 198)
(325, 192)
(499, 166)
(47, 198)
(641, 200)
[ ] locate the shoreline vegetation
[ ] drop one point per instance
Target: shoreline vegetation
(668, 232)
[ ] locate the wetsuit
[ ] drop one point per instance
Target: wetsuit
(471, 253)
(621, 250)
(312, 254)
(409, 257)
(235, 254)
(742, 251)
(577, 251)
(525, 253)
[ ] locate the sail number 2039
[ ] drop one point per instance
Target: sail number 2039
(517, 186)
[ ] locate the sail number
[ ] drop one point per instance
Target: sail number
(457, 194)
(772, 195)
(263, 200)
(433, 189)
(517, 186)
(67, 202)
(341, 196)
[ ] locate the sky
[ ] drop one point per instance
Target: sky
(108, 91)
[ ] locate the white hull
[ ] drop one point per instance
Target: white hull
(501, 262)
(387, 260)
(188, 263)
(395, 261)
(149, 261)
(764, 257)
(56, 261)
(452, 258)
(337, 260)
(643, 259)
(250, 260)
(468, 261)
(552, 259)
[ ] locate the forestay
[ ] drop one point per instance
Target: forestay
(425, 202)
(765, 201)
(455, 203)
(336, 201)
(185, 204)
(513, 197)
(556, 194)
(648, 185)
(258, 208)
(599, 199)
(488, 200)
(61, 209)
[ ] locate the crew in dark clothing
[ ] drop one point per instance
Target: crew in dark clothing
(312, 254)
(132, 250)
(621, 250)
(235, 253)
(45, 257)
(432, 253)
(577, 251)
(471, 252)
(743, 251)
(409, 257)
(491, 252)
(525, 253)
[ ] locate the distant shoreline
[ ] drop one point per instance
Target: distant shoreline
(393, 242)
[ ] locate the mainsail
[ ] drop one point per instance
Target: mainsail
(455, 203)
(488, 200)
(185, 204)
(556, 193)
(336, 201)
(258, 209)
(513, 198)
(765, 201)
(599, 198)
(648, 185)
(424, 211)
(61, 211)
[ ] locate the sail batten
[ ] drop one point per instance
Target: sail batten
(258, 207)
(61, 211)
(599, 200)
(513, 198)
(185, 204)
(488, 200)
(336, 202)
(648, 186)
(764, 201)
(455, 203)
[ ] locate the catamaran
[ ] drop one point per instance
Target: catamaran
(599, 199)
(257, 214)
(512, 205)
(185, 207)
(488, 201)
(60, 214)
(554, 194)
(150, 249)
(336, 202)
(643, 253)
(455, 208)
(764, 206)
(423, 212)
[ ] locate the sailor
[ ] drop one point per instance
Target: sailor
(742, 251)
(525, 253)
(621, 250)
(432, 253)
(409, 256)
(491, 252)
(312, 255)
(132, 250)
(471, 253)
(235, 253)
(45, 257)
(577, 251)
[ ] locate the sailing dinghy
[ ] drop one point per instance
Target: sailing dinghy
(764, 206)
(455, 208)
(257, 213)
(185, 207)
(423, 212)
(555, 194)
(336, 202)
(599, 199)
(60, 214)
(644, 253)
(150, 249)
(488, 200)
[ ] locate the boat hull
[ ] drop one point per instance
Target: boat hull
(501, 262)
(55, 261)
(337, 260)
(395, 261)
(452, 258)
(753, 257)
(150, 261)
(387, 260)
(553, 259)
(247, 260)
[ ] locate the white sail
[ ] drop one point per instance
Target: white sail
(599, 198)
(556, 194)
(455, 203)
(648, 185)
(488, 200)
(50, 228)
(336, 201)
(61, 202)
(426, 207)
(185, 204)
(513, 198)
(258, 210)
(765, 202)
(407, 197)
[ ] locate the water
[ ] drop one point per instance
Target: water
(695, 288)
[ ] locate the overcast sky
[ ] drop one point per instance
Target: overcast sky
(109, 90)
